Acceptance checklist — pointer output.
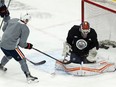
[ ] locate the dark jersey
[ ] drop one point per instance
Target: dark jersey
(74, 38)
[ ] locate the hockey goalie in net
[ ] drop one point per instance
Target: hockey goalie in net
(82, 47)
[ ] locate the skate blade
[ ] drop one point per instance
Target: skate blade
(32, 81)
(4, 69)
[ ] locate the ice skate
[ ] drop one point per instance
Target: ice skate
(31, 79)
(3, 68)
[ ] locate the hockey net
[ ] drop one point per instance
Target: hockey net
(101, 14)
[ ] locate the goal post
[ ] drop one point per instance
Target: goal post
(101, 14)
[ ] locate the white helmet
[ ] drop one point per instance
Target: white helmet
(25, 17)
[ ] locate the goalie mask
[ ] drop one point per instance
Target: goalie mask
(81, 44)
(85, 28)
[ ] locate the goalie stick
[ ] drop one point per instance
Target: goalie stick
(37, 63)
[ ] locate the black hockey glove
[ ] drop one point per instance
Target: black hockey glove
(4, 11)
(29, 46)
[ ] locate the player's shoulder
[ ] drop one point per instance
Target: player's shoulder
(76, 26)
(92, 30)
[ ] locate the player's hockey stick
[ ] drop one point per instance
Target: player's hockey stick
(48, 55)
(37, 63)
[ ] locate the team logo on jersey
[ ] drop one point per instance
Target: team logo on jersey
(81, 44)
(75, 36)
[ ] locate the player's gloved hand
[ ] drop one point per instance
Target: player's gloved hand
(4, 11)
(29, 46)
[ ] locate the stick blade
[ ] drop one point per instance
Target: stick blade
(40, 63)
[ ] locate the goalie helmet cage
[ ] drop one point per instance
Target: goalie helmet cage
(101, 14)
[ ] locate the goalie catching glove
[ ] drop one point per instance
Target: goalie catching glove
(66, 49)
(92, 55)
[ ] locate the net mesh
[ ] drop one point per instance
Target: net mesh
(102, 20)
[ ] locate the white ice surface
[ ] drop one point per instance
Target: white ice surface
(51, 20)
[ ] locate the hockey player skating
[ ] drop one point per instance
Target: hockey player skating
(81, 44)
(15, 34)
(4, 13)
